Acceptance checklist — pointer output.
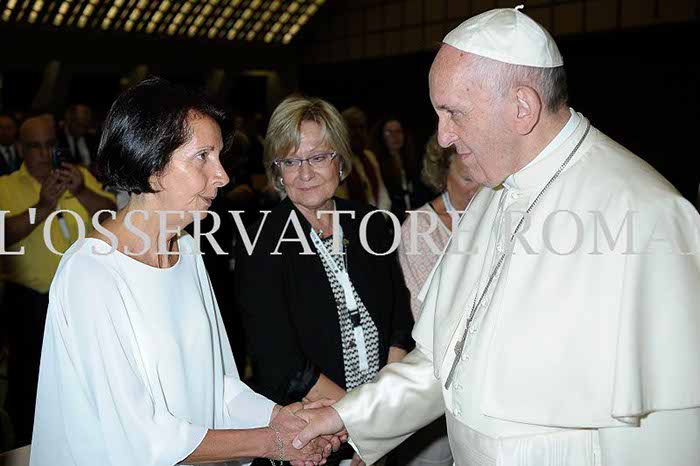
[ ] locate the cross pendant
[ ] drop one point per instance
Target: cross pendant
(459, 348)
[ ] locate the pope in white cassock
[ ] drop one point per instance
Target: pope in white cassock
(571, 338)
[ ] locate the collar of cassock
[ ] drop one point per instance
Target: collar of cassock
(540, 170)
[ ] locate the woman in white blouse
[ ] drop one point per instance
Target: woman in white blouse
(136, 368)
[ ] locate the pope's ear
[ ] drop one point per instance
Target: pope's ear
(528, 109)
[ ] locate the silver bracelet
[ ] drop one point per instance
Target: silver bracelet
(280, 446)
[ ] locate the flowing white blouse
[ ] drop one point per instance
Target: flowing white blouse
(136, 365)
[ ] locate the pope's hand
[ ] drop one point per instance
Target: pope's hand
(322, 421)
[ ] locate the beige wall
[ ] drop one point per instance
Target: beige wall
(356, 29)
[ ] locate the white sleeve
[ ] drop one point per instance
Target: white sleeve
(102, 383)
(404, 397)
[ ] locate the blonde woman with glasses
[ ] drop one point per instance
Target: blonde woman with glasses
(318, 323)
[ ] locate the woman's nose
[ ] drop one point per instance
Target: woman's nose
(220, 176)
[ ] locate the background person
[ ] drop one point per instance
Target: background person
(393, 147)
(38, 185)
(445, 173)
(318, 324)
(9, 158)
(76, 137)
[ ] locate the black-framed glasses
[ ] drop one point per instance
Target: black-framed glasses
(316, 161)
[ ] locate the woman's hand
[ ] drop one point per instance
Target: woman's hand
(396, 354)
(356, 460)
(284, 427)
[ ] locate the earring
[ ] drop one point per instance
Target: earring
(341, 174)
(281, 181)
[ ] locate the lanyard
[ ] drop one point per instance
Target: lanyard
(344, 279)
(446, 200)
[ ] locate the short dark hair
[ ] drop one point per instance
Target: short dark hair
(145, 125)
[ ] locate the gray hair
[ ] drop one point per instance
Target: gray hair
(549, 83)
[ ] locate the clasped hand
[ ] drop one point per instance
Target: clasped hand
(289, 422)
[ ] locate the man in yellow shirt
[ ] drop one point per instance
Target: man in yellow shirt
(30, 195)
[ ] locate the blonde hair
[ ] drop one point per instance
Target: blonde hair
(284, 133)
(436, 164)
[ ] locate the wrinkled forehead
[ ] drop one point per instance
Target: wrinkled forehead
(452, 75)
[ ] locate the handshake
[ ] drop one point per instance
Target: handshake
(306, 434)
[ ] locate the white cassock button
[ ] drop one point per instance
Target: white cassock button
(514, 195)
(458, 387)
(458, 412)
(473, 330)
(465, 356)
(499, 247)
(485, 301)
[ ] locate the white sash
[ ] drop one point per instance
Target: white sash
(344, 279)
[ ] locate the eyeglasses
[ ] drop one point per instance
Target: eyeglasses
(316, 161)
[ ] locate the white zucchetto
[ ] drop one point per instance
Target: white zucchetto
(506, 35)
